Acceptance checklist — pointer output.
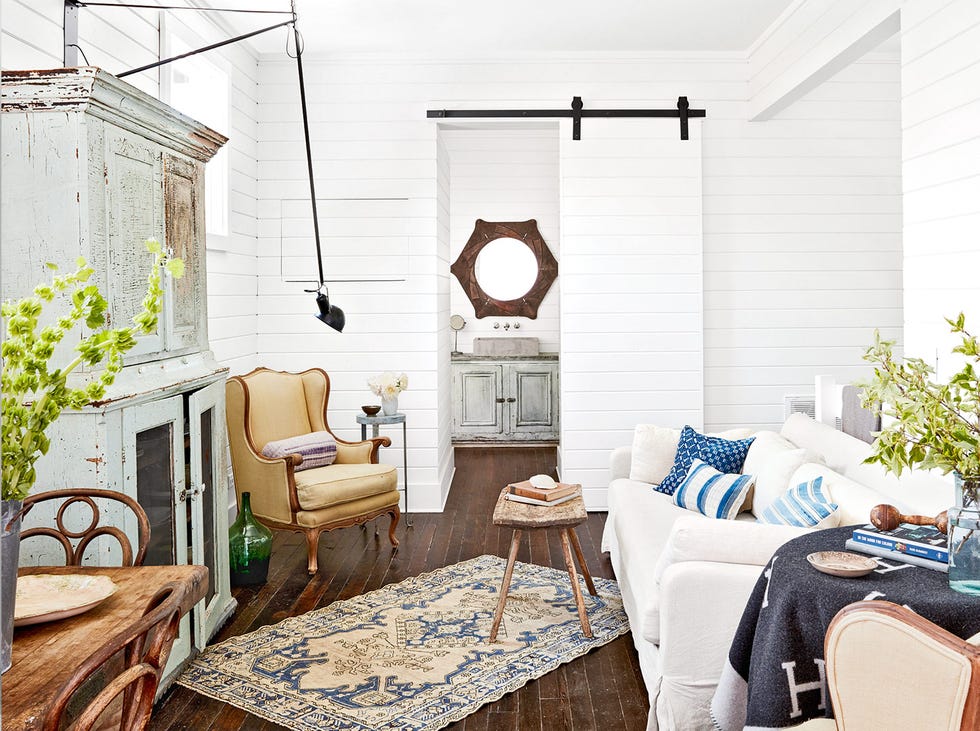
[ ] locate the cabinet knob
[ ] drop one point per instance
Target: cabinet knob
(500, 400)
(511, 400)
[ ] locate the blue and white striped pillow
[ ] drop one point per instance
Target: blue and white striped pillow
(713, 493)
(805, 506)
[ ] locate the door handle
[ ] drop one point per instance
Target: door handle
(511, 400)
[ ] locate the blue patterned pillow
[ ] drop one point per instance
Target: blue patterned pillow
(805, 506)
(713, 493)
(725, 455)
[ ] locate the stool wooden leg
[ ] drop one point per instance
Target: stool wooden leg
(576, 589)
(581, 561)
(498, 614)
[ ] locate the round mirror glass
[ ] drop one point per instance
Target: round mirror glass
(456, 322)
(506, 269)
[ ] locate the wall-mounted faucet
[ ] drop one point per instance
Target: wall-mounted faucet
(496, 326)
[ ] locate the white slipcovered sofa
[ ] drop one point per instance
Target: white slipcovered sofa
(685, 578)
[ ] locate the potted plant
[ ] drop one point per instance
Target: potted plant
(36, 389)
(935, 426)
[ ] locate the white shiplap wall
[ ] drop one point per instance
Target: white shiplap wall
(802, 243)
(504, 175)
(941, 173)
(801, 221)
(119, 39)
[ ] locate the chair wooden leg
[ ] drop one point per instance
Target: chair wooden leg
(581, 561)
(566, 549)
(312, 543)
(395, 514)
(498, 614)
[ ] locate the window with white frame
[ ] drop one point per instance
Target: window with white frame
(198, 87)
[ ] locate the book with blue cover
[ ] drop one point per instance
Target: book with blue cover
(894, 556)
(924, 541)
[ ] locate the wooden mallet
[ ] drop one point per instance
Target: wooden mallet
(888, 517)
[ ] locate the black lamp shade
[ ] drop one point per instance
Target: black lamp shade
(330, 314)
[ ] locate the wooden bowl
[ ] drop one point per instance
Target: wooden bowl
(371, 409)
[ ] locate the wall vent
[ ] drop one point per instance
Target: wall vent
(798, 404)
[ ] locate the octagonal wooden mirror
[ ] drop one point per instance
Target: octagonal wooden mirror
(506, 269)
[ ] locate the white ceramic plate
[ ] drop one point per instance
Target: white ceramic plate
(47, 597)
(842, 563)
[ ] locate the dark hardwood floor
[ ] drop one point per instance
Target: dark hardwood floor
(601, 690)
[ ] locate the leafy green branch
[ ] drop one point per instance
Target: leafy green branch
(935, 425)
(35, 393)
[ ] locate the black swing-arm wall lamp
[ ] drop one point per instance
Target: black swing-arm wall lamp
(327, 313)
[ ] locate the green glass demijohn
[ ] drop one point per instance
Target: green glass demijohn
(250, 546)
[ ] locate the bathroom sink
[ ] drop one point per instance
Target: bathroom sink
(505, 346)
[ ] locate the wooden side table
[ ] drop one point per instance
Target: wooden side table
(564, 517)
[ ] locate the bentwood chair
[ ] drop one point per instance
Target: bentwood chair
(125, 702)
(75, 542)
(267, 406)
(889, 668)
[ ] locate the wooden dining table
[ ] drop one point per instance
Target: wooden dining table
(46, 655)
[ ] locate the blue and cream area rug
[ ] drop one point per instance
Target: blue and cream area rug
(412, 655)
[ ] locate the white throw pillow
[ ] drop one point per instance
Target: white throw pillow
(654, 448)
(772, 459)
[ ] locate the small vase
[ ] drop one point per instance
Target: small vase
(10, 511)
(964, 536)
(389, 406)
(250, 546)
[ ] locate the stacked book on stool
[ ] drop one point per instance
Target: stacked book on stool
(542, 490)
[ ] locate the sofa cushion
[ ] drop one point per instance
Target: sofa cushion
(340, 483)
(318, 449)
(713, 493)
(722, 454)
(853, 499)
(653, 452)
(805, 505)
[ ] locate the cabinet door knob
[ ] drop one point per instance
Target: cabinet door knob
(500, 400)
(511, 400)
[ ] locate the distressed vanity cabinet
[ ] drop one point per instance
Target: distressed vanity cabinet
(505, 399)
(93, 167)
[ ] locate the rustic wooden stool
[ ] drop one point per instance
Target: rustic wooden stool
(523, 516)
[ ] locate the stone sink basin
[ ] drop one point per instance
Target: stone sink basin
(505, 346)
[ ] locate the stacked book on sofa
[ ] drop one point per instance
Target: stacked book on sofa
(542, 492)
(920, 545)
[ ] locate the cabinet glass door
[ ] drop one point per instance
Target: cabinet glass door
(154, 436)
(209, 521)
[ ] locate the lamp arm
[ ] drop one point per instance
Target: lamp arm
(306, 137)
(219, 44)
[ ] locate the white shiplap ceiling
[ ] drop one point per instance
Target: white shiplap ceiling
(488, 27)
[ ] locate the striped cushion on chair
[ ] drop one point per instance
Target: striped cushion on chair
(806, 505)
(713, 493)
(317, 448)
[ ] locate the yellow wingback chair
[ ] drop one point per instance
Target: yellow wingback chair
(890, 668)
(265, 406)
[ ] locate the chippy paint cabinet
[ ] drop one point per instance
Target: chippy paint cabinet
(92, 168)
(505, 399)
